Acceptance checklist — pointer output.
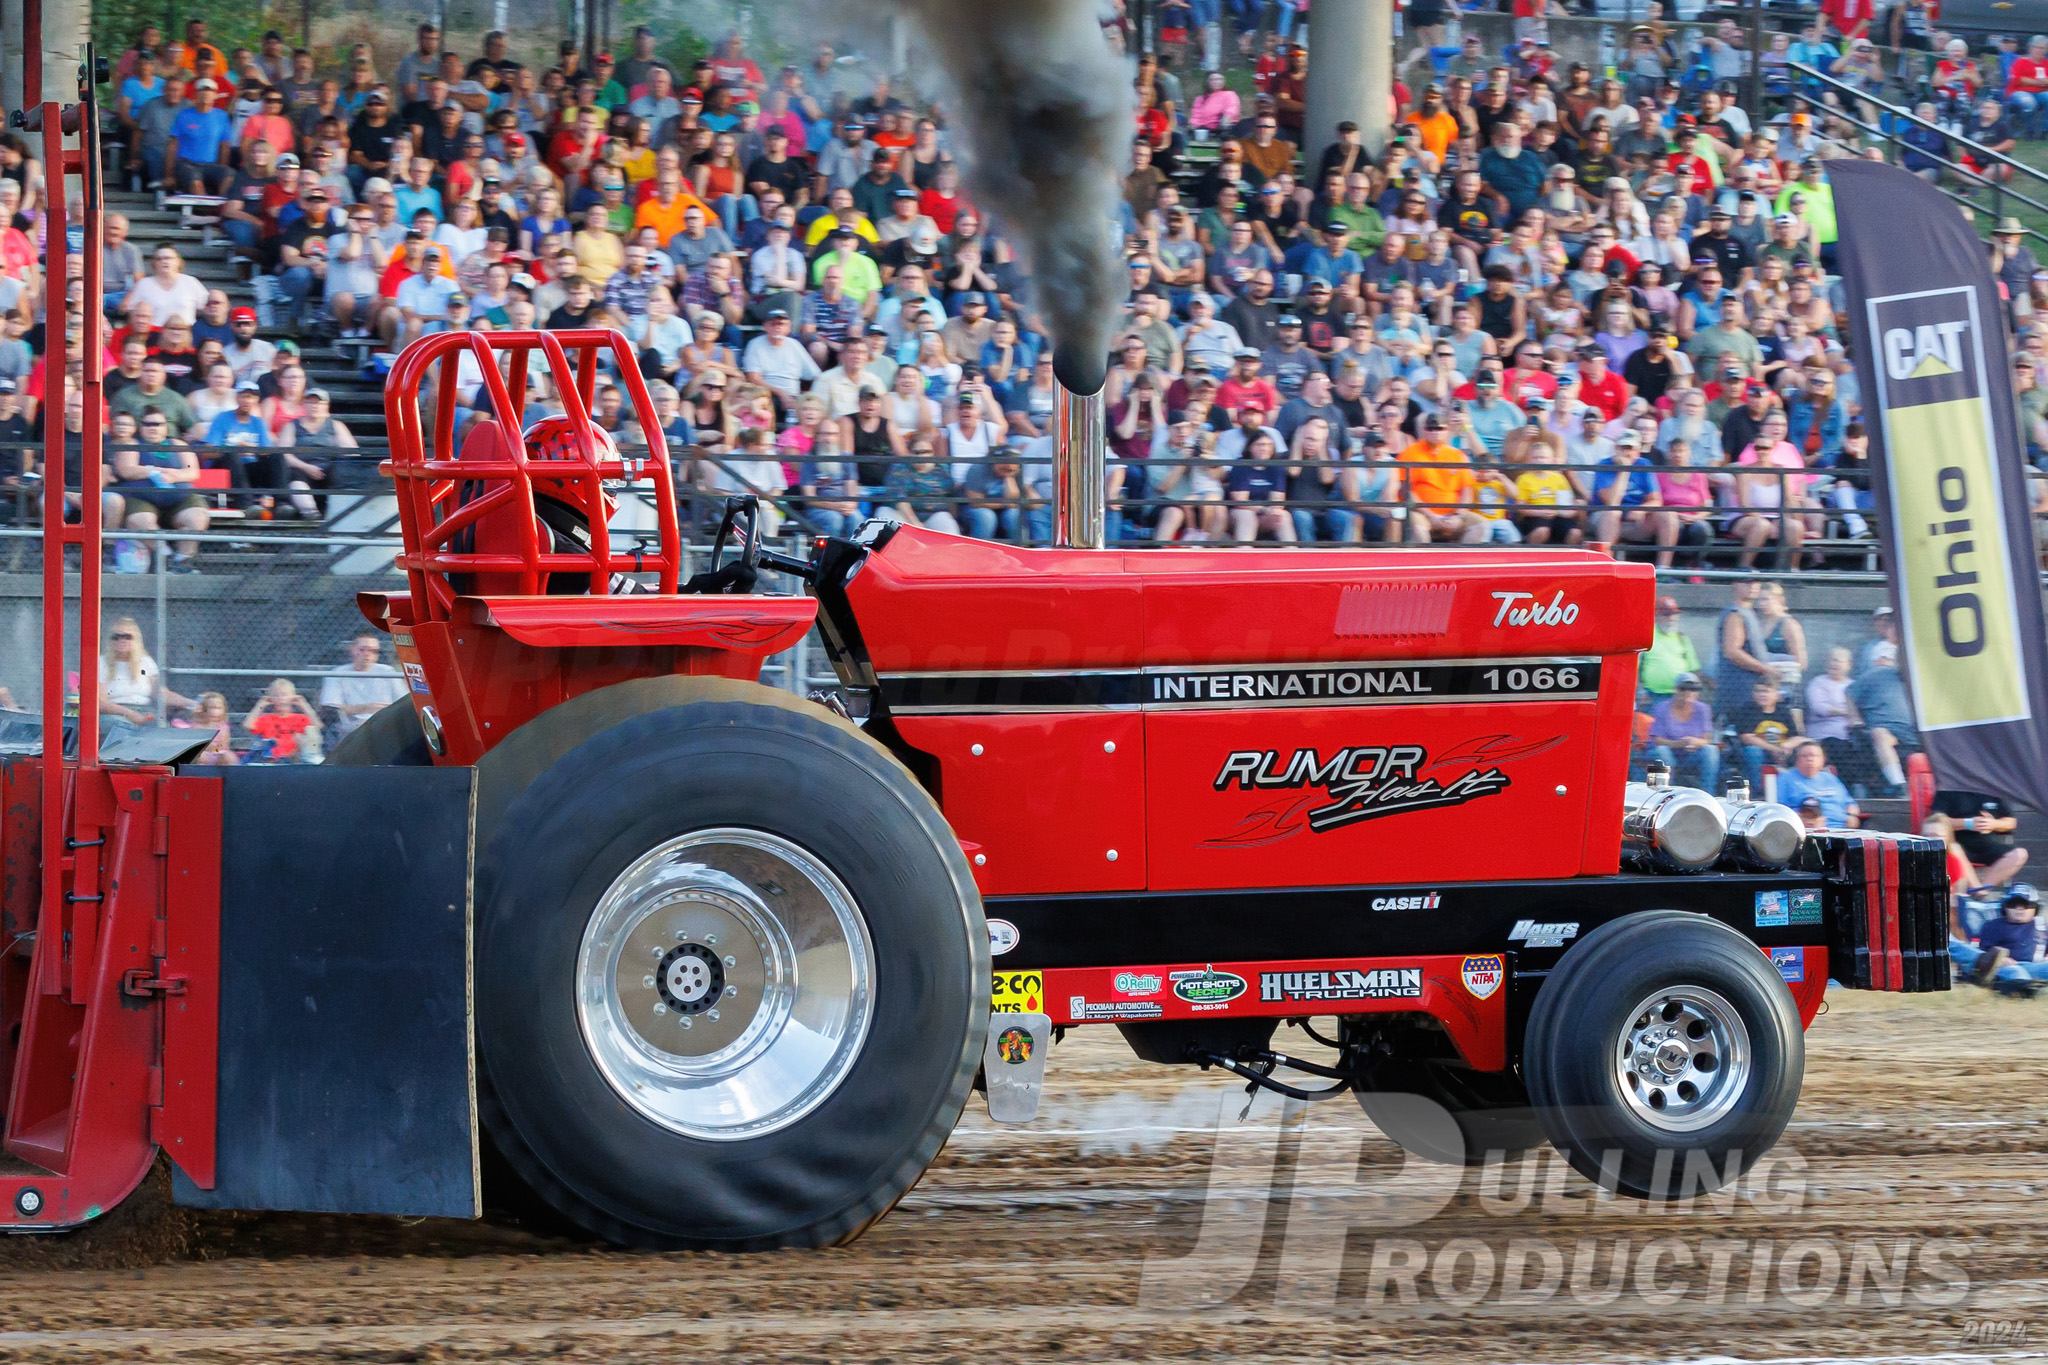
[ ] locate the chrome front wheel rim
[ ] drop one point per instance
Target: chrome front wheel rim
(1683, 1059)
(724, 984)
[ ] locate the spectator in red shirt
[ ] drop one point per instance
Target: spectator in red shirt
(1852, 17)
(942, 202)
(2026, 88)
(285, 719)
(1247, 386)
(733, 66)
(1690, 162)
(1956, 76)
(1528, 379)
(1270, 64)
(1599, 385)
(575, 150)
(1290, 95)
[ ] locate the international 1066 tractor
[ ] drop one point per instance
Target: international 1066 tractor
(701, 963)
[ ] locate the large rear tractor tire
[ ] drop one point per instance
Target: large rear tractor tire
(731, 970)
(390, 739)
(1664, 1055)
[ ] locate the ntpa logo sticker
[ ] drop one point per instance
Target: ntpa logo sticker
(1483, 975)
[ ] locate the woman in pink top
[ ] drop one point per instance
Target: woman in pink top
(1217, 107)
(1772, 496)
(1689, 495)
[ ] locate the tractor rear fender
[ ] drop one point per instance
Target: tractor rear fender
(499, 662)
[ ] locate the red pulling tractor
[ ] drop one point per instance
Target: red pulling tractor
(709, 965)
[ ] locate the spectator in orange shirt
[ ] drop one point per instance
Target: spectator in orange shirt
(1435, 126)
(1440, 480)
(194, 44)
(665, 209)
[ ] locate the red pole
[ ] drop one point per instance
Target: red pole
(92, 463)
(56, 393)
(32, 54)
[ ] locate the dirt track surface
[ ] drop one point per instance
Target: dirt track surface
(1119, 1227)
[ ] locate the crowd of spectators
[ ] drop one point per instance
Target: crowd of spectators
(1554, 309)
(1559, 307)
(281, 725)
(1830, 731)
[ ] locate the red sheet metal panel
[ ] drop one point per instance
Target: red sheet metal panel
(192, 807)
(754, 626)
(1894, 956)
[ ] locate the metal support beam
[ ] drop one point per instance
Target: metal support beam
(64, 34)
(1350, 74)
(10, 56)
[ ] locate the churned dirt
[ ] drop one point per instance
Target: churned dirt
(1902, 1219)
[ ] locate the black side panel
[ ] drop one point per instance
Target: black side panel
(1252, 925)
(347, 1081)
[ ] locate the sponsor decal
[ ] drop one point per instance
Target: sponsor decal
(1954, 575)
(1002, 936)
(416, 678)
(1137, 983)
(1368, 782)
(1773, 909)
(1207, 988)
(1428, 900)
(1013, 1045)
(1082, 1010)
(1340, 684)
(1474, 1017)
(1483, 975)
(1017, 992)
(1805, 906)
(1539, 934)
(1364, 683)
(1524, 609)
(1382, 983)
(1790, 962)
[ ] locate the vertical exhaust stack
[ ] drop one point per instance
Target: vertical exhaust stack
(1079, 462)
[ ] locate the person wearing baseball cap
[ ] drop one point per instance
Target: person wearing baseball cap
(1671, 655)
(200, 136)
(1682, 735)
(1252, 415)
(845, 159)
(1245, 382)
(1439, 475)
(2012, 950)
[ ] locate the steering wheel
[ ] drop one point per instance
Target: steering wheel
(740, 575)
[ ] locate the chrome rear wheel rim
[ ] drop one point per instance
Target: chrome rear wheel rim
(1683, 1058)
(724, 984)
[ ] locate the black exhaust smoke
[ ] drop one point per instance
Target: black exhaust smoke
(1046, 110)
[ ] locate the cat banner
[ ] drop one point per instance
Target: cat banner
(1949, 471)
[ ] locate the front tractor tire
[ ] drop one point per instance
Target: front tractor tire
(1664, 1055)
(731, 974)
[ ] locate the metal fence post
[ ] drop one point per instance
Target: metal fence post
(163, 621)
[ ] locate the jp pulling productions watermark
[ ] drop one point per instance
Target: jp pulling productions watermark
(1311, 1199)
